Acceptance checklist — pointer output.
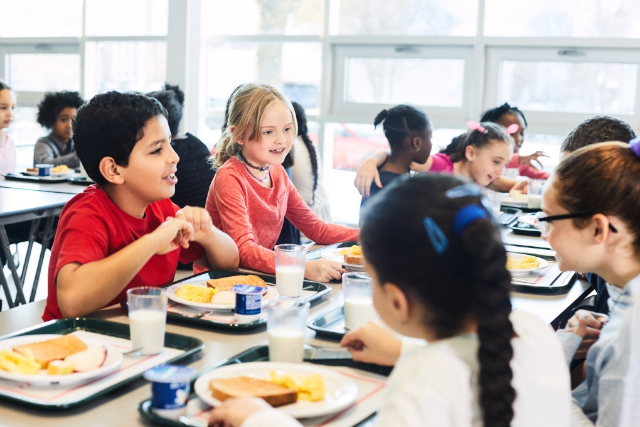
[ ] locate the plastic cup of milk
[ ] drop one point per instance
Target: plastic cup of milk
(358, 301)
(286, 327)
(290, 262)
(169, 389)
(495, 200)
(147, 319)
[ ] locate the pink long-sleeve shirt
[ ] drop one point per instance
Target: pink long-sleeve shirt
(253, 215)
(526, 170)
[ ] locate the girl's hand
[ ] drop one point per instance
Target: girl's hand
(367, 172)
(586, 324)
(527, 160)
(200, 220)
(233, 412)
(373, 343)
(323, 270)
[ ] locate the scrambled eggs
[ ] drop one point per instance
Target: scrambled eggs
(18, 363)
(353, 250)
(196, 293)
(60, 169)
(527, 261)
(309, 387)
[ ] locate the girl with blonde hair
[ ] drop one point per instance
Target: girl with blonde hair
(251, 193)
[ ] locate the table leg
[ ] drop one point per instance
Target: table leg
(16, 279)
(5, 286)
(32, 238)
(45, 243)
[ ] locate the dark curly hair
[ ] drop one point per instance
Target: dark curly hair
(495, 114)
(172, 99)
(53, 103)
(597, 129)
(110, 125)
(402, 121)
(467, 279)
(4, 86)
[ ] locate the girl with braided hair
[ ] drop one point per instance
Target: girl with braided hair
(438, 269)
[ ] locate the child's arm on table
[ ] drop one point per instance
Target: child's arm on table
(368, 171)
(221, 252)
(85, 288)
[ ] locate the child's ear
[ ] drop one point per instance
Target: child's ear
(240, 139)
(111, 171)
(601, 228)
(416, 143)
(398, 300)
(470, 152)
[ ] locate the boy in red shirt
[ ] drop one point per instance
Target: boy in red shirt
(124, 231)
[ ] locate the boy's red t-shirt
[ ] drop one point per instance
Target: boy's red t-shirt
(92, 227)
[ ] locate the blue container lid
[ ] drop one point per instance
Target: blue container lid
(169, 374)
(247, 289)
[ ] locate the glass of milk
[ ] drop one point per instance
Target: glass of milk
(358, 301)
(286, 327)
(290, 262)
(495, 200)
(147, 319)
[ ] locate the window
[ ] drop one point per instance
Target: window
(38, 72)
(41, 18)
(567, 18)
(142, 17)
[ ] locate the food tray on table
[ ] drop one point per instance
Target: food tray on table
(224, 319)
(80, 180)
(63, 397)
(41, 179)
(370, 380)
(329, 324)
(317, 253)
(548, 281)
(525, 225)
(507, 215)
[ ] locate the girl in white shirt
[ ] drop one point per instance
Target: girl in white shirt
(438, 269)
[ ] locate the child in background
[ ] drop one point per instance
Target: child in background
(194, 173)
(408, 131)
(591, 220)
(438, 269)
(480, 155)
(251, 193)
(7, 147)
(306, 172)
(124, 231)
(56, 112)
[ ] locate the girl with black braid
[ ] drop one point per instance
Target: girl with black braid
(408, 131)
(438, 269)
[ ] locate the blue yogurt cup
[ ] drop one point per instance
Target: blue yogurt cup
(170, 388)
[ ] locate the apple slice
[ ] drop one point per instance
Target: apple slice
(89, 359)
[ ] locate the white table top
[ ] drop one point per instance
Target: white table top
(15, 201)
(62, 187)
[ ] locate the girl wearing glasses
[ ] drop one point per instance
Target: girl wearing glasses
(591, 220)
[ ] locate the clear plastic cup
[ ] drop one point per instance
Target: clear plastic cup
(147, 319)
(290, 263)
(495, 200)
(512, 173)
(536, 186)
(286, 328)
(358, 302)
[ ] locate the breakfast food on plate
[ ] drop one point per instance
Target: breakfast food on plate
(274, 394)
(17, 363)
(226, 283)
(60, 169)
(196, 293)
(309, 387)
(55, 349)
(32, 169)
(59, 367)
(224, 298)
(89, 359)
(353, 255)
(527, 261)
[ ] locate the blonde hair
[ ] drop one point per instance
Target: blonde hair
(246, 108)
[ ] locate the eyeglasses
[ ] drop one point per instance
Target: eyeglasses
(543, 222)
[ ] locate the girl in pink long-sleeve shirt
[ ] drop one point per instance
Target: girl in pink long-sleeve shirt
(251, 193)
(7, 148)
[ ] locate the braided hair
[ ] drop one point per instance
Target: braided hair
(466, 279)
(402, 121)
(303, 133)
(495, 114)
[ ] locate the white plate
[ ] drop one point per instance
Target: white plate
(524, 271)
(171, 293)
(529, 220)
(111, 364)
(334, 255)
(53, 174)
(341, 390)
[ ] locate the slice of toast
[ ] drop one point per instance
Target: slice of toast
(55, 349)
(274, 394)
(226, 283)
(353, 259)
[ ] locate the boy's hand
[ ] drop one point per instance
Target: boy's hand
(373, 343)
(323, 270)
(172, 234)
(200, 220)
(233, 412)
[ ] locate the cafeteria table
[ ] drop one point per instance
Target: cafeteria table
(120, 407)
(58, 187)
(18, 205)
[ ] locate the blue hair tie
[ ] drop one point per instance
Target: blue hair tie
(634, 144)
(438, 240)
(466, 216)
